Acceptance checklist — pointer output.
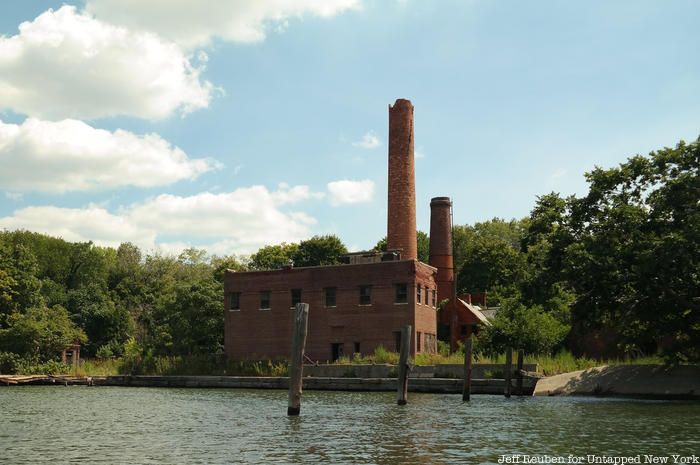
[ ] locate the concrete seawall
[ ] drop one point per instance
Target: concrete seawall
(479, 371)
(637, 381)
(429, 385)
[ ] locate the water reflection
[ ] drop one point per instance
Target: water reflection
(131, 425)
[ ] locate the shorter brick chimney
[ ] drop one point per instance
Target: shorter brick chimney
(441, 246)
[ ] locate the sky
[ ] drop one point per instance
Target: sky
(233, 125)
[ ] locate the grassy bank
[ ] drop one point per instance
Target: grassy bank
(217, 365)
(562, 362)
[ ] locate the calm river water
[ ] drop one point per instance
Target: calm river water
(78, 424)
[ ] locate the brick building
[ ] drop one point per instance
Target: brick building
(358, 306)
(353, 308)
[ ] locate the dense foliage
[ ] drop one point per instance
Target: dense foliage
(118, 302)
(620, 266)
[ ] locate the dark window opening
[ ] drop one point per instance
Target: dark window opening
(365, 295)
(397, 340)
(425, 296)
(264, 300)
(296, 297)
(357, 347)
(401, 294)
(235, 301)
(418, 293)
(329, 298)
(434, 298)
(463, 330)
(336, 350)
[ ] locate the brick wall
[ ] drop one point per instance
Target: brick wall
(254, 333)
(401, 224)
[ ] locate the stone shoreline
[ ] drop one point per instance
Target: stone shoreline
(634, 381)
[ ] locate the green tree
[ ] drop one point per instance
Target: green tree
(273, 257)
(221, 264)
(634, 257)
(490, 258)
(103, 321)
(40, 333)
(423, 244)
(319, 250)
(196, 323)
(517, 326)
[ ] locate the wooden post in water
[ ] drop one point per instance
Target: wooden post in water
(519, 388)
(402, 389)
(296, 360)
(467, 388)
(508, 371)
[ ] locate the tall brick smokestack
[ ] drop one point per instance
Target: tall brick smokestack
(401, 224)
(441, 247)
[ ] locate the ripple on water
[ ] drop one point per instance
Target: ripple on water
(152, 426)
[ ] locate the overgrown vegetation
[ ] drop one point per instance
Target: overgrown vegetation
(155, 314)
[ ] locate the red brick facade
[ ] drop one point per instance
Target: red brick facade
(252, 332)
(401, 224)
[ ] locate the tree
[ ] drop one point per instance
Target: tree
(19, 286)
(423, 244)
(319, 250)
(273, 257)
(103, 321)
(528, 328)
(40, 333)
(221, 264)
(490, 258)
(634, 257)
(196, 321)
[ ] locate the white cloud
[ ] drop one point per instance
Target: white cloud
(70, 155)
(68, 64)
(419, 154)
(368, 141)
(239, 222)
(80, 224)
(345, 191)
(286, 194)
(193, 23)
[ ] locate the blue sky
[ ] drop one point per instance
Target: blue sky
(237, 124)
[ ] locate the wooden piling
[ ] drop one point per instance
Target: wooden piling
(519, 386)
(402, 389)
(467, 388)
(296, 360)
(508, 371)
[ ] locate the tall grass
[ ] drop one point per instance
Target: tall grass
(562, 362)
(217, 365)
(194, 365)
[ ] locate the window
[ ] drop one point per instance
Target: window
(336, 350)
(425, 296)
(418, 338)
(357, 347)
(418, 293)
(329, 296)
(365, 295)
(397, 340)
(429, 345)
(434, 298)
(296, 297)
(264, 300)
(235, 301)
(400, 293)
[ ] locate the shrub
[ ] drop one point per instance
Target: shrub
(9, 362)
(518, 326)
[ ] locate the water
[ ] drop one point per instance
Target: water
(78, 424)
